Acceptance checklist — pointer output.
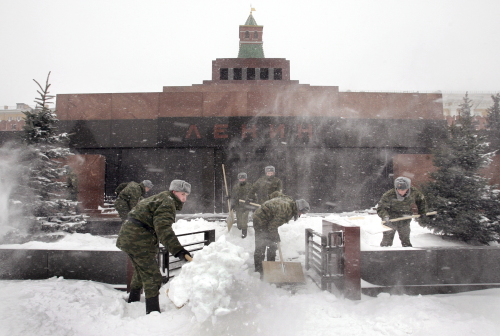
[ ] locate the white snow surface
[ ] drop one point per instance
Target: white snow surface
(223, 296)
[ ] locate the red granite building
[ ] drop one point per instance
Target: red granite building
(336, 149)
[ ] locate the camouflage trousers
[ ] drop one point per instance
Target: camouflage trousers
(122, 207)
(403, 229)
(242, 218)
(146, 274)
(262, 243)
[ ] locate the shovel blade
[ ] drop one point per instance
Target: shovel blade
(283, 273)
(230, 220)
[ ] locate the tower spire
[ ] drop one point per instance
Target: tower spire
(251, 44)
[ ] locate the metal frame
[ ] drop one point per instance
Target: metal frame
(326, 259)
(168, 263)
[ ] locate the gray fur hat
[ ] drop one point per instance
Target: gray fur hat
(147, 184)
(242, 176)
(269, 169)
(302, 206)
(180, 185)
(402, 183)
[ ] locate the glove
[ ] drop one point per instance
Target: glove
(387, 222)
(423, 216)
(182, 254)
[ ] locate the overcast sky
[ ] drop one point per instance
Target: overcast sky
(110, 46)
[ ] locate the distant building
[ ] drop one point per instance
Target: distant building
(12, 119)
(481, 101)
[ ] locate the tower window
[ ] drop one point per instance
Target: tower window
(224, 73)
(264, 73)
(247, 34)
(255, 35)
(251, 74)
(277, 73)
(238, 74)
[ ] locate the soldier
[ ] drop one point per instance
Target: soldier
(240, 191)
(266, 220)
(72, 184)
(130, 196)
(265, 186)
(120, 187)
(397, 203)
(149, 223)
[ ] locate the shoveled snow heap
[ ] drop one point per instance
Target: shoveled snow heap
(207, 285)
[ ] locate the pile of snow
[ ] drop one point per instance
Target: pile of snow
(208, 283)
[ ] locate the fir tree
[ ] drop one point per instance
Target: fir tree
(44, 190)
(493, 122)
(467, 206)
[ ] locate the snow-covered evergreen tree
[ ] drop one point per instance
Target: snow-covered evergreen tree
(468, 207)
(44, 192)
(493, 122)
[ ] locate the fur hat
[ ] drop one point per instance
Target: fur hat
(147, 184)
(269, 169)
(402, 183)
(180, 185)
(242, 176)
(302, 206)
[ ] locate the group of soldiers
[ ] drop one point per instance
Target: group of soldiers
(271, 208)
(148, 222)
(256, 194)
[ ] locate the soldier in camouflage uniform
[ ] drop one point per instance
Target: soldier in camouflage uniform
(397, 203)
(240, 191)
(265, 186)
(130, 196)
(72, 184)
(120, 187)
(266, 220)
(148, 224)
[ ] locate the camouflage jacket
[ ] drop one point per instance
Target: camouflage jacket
(264, 187)
(390, 206)
(239, 192)
(128, 198)
(157, 214)
(122, 186)
(274, 213)
(132, 194)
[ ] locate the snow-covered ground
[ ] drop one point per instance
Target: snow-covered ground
(225, 297)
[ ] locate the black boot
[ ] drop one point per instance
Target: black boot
(135, 295)
(152, 304)
(243, 233)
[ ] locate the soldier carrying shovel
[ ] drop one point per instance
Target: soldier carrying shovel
(397, 203)
(266, 220)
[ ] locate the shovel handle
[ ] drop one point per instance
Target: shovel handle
(254, 204)
(410, 217)
(281, 258)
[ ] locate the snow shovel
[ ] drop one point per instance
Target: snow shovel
(189, 259)
(281, 272)
(383, 228)
(230, 218)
